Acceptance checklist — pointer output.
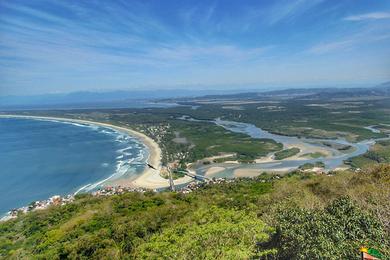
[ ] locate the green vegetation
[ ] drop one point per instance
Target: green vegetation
(286, 153)
(239, 220)
(338, 115)
(220, 233)
(379, 153)
(310, 116)
(210, 140)
(308, 166)
(341, 220)
(300, 216)
(314, 155)
(341, 147)
(203, 139)
(224, 159)
(178, 173)
(317, 118)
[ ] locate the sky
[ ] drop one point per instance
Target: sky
(88, 45)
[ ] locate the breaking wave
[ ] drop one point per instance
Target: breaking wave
(130, 160)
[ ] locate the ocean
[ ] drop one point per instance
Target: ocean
(42, 158)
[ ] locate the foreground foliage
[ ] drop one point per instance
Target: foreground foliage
(210, 234)
(335, 232)
(301, 216)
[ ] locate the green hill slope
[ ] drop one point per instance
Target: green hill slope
(296, 217)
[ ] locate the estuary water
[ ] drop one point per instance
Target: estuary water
(334, 160)
(42, 158)
(331, 162)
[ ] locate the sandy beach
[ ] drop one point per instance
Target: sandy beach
(150, 178)
(249, 172)
(304, 149)
(214, 170)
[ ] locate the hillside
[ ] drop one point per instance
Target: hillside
(299, 216)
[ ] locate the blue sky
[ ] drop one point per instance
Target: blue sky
(65, 46)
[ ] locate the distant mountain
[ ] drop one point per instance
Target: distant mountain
(86, 99)
(385, 86)
(142, 98)
(382, 90)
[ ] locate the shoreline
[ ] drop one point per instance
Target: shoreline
(149, 178)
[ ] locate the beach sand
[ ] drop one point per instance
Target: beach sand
(214, 170)
(265, 159)
(304, 149)
(307, 149)
(150, 178)
(250, 172)
(247, 172)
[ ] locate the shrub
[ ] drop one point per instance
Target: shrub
(213, 233)
(335, 232)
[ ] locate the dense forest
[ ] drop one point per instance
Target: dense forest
(298, 216)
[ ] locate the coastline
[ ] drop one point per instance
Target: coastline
(150, 178)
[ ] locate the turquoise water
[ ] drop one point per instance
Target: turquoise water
(39, 159)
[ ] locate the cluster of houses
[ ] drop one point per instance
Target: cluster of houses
(116, 190)
(37, 205)
(192, 186)
(105, 191)
(59, 200)
(157, 132)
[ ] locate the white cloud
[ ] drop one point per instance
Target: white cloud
(290, 9)
(368, 16)
(330, 46)
(363, 39)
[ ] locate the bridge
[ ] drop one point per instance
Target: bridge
(195, 176)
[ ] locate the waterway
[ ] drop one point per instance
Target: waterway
(334, 158)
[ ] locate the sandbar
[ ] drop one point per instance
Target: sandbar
(214, 170)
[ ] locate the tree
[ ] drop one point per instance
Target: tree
(335, 232)
(213, 233)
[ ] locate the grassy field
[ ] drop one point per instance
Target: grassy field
(307, 117)
(286, 153)
(240, 220)
(379, 153)
(308, 166)
(212, 140)
(314, 155)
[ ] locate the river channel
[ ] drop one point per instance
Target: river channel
(334, 157)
